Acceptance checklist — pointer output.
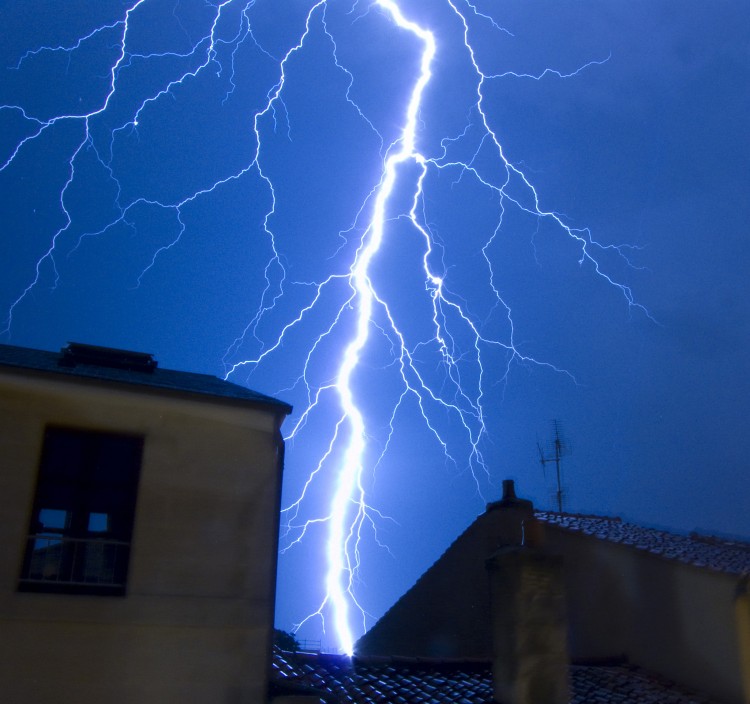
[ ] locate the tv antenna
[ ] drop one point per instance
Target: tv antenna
(559, 448)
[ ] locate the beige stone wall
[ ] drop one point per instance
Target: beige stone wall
(667, 616)
(530, 660)
(196, 623)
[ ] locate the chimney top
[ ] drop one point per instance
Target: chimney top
(510, 500)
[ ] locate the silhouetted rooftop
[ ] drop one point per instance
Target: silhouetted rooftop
(371, 680)
(128, 368)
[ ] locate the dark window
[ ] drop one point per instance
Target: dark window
(82, 519)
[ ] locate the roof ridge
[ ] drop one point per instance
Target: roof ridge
(702, 551)
(44, 362)
(569, 514)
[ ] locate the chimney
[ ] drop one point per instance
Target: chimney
(527, 608)
(510, 519)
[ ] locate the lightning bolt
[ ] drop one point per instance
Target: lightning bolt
(443, 366)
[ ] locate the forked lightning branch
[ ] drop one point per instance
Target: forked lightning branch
(457, 341)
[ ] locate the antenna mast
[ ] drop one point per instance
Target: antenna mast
(559, 448)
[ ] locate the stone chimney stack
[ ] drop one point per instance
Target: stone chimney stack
(510, 519)
(527, 604)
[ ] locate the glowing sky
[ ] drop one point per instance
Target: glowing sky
(177, 235)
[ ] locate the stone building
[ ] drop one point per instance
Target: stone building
(139, 513)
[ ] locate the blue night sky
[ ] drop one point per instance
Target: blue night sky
(152, 226)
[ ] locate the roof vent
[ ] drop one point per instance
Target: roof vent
(76, 353)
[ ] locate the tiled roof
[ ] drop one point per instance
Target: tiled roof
(338, 679)
(624, 684)
(729, 556)
(167, 379)
(392, 680)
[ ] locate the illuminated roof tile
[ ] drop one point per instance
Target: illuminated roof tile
(336, 678)
(731, 556)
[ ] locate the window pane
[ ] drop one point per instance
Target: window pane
(53, 518)
(98, 522)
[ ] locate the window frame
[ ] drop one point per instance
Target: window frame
(80, 530)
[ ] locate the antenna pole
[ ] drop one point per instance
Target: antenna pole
(558, 454)
(560, 450)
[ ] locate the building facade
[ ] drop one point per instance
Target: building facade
(675, 605)
(140, 513)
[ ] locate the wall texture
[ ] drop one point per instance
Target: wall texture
(670, 617)
(196, 622)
